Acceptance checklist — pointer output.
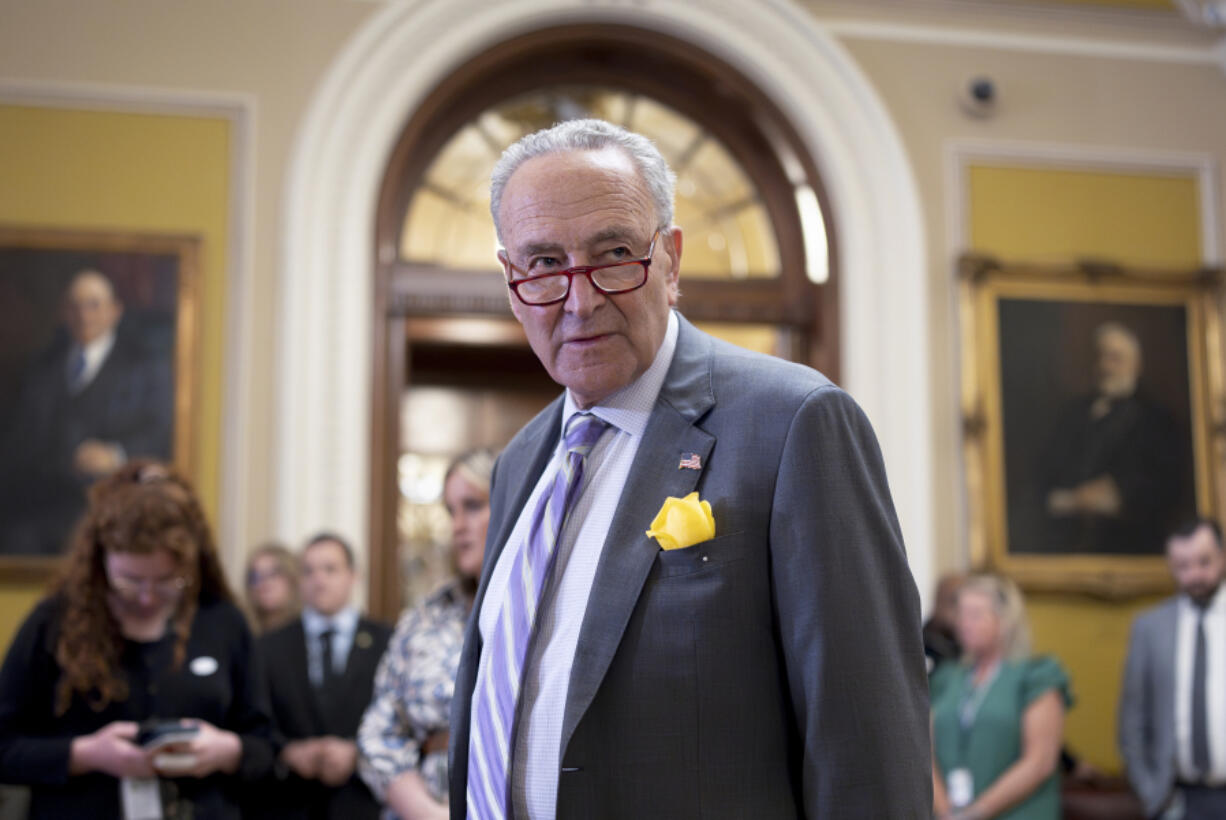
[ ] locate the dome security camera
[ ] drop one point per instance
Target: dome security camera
(978, 97)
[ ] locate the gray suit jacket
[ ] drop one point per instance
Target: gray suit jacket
(775, 671)
(1147, 705)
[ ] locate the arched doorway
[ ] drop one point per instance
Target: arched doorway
(323, 472)
(453, 369)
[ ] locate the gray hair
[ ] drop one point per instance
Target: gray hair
(588, 135)
(1121, 330)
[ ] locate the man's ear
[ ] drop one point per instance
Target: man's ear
(506, 277)
(673, 249)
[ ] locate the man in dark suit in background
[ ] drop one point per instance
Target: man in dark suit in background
(321, 672)
(757, 653)
(96, 398)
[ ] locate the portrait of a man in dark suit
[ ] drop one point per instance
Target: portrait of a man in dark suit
(1112, 461)
(1097, 426)
(97, 395)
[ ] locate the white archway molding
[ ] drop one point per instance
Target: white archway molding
(324, 391)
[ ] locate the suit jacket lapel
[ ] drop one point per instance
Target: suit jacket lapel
(520, 471)
(1167, 654)
(359, 652)
(540, 440)
(628, 554)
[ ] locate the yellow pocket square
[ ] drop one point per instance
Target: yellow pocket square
(683, 522)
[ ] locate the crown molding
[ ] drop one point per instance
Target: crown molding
(1038, 15)
(1105, 33)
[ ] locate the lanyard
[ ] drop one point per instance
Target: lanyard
(968, 709)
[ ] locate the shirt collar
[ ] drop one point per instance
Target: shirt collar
(1216, 606)
(629, 408)
(98, 349)
(315, 622)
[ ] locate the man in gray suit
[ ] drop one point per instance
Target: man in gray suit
(758, 654)
(1172, 718)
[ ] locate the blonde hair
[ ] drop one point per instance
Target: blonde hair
(475, 466)
(287, 565)
(1007, 603)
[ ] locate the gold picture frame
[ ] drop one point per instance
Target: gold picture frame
(1076, 467)
(150, 367)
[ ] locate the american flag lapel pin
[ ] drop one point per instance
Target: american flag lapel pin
(690, 461)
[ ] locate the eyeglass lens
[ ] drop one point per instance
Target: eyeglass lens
(614, 279)
(164, 588)
(255, 577)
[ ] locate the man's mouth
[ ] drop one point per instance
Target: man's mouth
(588, 339)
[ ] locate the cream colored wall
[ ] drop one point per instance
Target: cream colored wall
(1141, 219)
(1046, 99)
(1111, 106)
(274, 52)
(138, 173)
(271, 52)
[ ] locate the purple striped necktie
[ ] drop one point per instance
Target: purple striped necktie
(492, 720)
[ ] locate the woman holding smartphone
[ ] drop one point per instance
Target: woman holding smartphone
(139, 628)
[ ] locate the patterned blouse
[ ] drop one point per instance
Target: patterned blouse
(412, 697)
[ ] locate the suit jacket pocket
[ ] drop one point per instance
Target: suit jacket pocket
(722, 549)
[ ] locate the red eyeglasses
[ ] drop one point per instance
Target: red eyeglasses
(613, 278)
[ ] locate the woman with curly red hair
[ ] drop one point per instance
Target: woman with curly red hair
(140, 626)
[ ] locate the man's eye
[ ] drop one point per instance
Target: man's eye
(620, 253)
(542, 264)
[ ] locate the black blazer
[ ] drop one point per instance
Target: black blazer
(299, 712)
(217, 682)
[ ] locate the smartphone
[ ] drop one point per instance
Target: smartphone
(156, 734)
(153, 734)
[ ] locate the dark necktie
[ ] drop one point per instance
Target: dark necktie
(76, 371)
(1200, 704)
(329, 672)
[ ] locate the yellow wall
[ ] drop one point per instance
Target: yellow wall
(1039, 214)
(1059, 215)
(144, 173)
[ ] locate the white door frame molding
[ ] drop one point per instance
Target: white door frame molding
(385, 71)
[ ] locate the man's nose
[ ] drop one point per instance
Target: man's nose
(583, 298)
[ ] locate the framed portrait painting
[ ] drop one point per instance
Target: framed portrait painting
(1092, 403)
(97, 344)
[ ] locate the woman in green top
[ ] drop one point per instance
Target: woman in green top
(998, 715)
